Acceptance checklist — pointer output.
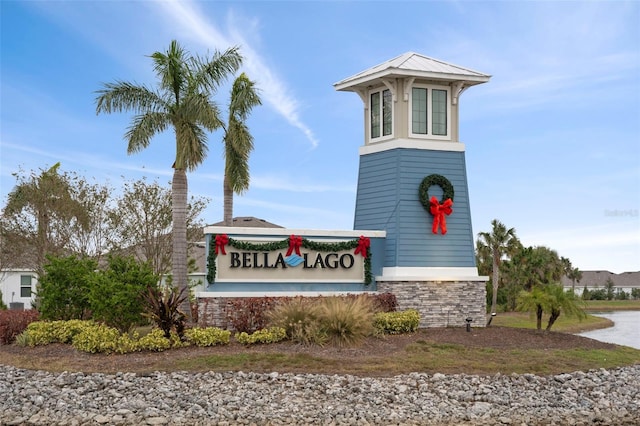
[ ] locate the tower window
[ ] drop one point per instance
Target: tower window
(381, 114)
(429, 112)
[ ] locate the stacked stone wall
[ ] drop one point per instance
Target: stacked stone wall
(441, 303)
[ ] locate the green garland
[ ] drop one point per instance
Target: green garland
(428, 182)
(283, 244)
(211, 262)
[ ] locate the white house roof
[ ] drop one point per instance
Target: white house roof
(412, 64)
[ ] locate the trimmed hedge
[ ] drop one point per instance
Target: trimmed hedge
(397, 322)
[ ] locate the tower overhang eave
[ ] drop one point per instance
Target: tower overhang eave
(358, 83)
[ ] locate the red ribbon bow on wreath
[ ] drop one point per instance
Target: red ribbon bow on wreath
(221, 241)
(363, 246)
(439, 211)
(294, 244)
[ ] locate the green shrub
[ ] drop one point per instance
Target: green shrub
(346, 321)
(63, 289)
(46, 332)
(154, 341)
(397, 322)
(209, 336)
(99, 338)
(115, 293)
(266, 335)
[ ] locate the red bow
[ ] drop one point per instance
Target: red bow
(294, 244)
(221, 241)
(439, 211)
(363, 246)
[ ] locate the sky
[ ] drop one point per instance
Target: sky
(552, 140)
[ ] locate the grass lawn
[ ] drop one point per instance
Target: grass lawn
(612, 305)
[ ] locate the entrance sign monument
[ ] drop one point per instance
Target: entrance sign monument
(413, 234)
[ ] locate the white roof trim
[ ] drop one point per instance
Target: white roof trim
(412, 64)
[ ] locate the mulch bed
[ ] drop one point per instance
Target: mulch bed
(50, 356)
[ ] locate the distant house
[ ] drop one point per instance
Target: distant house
(18, 287)
(597, 280)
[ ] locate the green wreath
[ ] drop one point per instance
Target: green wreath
(428, 182)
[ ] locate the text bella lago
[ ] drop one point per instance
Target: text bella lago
(278, 259)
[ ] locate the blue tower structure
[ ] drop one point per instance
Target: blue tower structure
(412, 182)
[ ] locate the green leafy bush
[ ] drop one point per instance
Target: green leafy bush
(266, 335)
(99, 338)
(46, 332)
(397, 322)
(154, 341)
(209, 336)
(115, 293)
(63, 289)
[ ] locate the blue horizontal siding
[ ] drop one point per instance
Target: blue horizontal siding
(388, 199)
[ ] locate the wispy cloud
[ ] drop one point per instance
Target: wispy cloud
(274, 91)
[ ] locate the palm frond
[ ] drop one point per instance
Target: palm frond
(143, 128)
(210, 73)
(124, 96)
(192, 145)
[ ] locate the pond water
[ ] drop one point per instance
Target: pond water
(626, 329)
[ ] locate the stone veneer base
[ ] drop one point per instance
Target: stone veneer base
(441, 303)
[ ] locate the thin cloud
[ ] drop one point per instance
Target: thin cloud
(274, 91)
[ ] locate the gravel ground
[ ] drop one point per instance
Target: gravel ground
(603, 397)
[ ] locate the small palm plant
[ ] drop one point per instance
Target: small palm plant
(163, 308)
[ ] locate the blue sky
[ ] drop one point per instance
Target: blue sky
(552, 141)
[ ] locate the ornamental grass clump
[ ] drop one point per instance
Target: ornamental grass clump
(346, 321)
(299, 317)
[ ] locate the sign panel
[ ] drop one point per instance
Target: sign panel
(280, 265)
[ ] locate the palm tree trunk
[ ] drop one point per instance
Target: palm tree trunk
(228, 202)
(179, 256)
(495, 278)
(539, 317)
(555, 314)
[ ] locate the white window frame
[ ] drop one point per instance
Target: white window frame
(30, 286)
(382, 137)
(429, 134)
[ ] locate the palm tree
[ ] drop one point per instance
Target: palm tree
(536, 301)
(495, 245)
(182, 101)
(575, 275)
(561, 301)
(238, 142)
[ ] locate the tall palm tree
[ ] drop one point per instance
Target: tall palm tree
(182, 100)
(238, 142)
(496, 245)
